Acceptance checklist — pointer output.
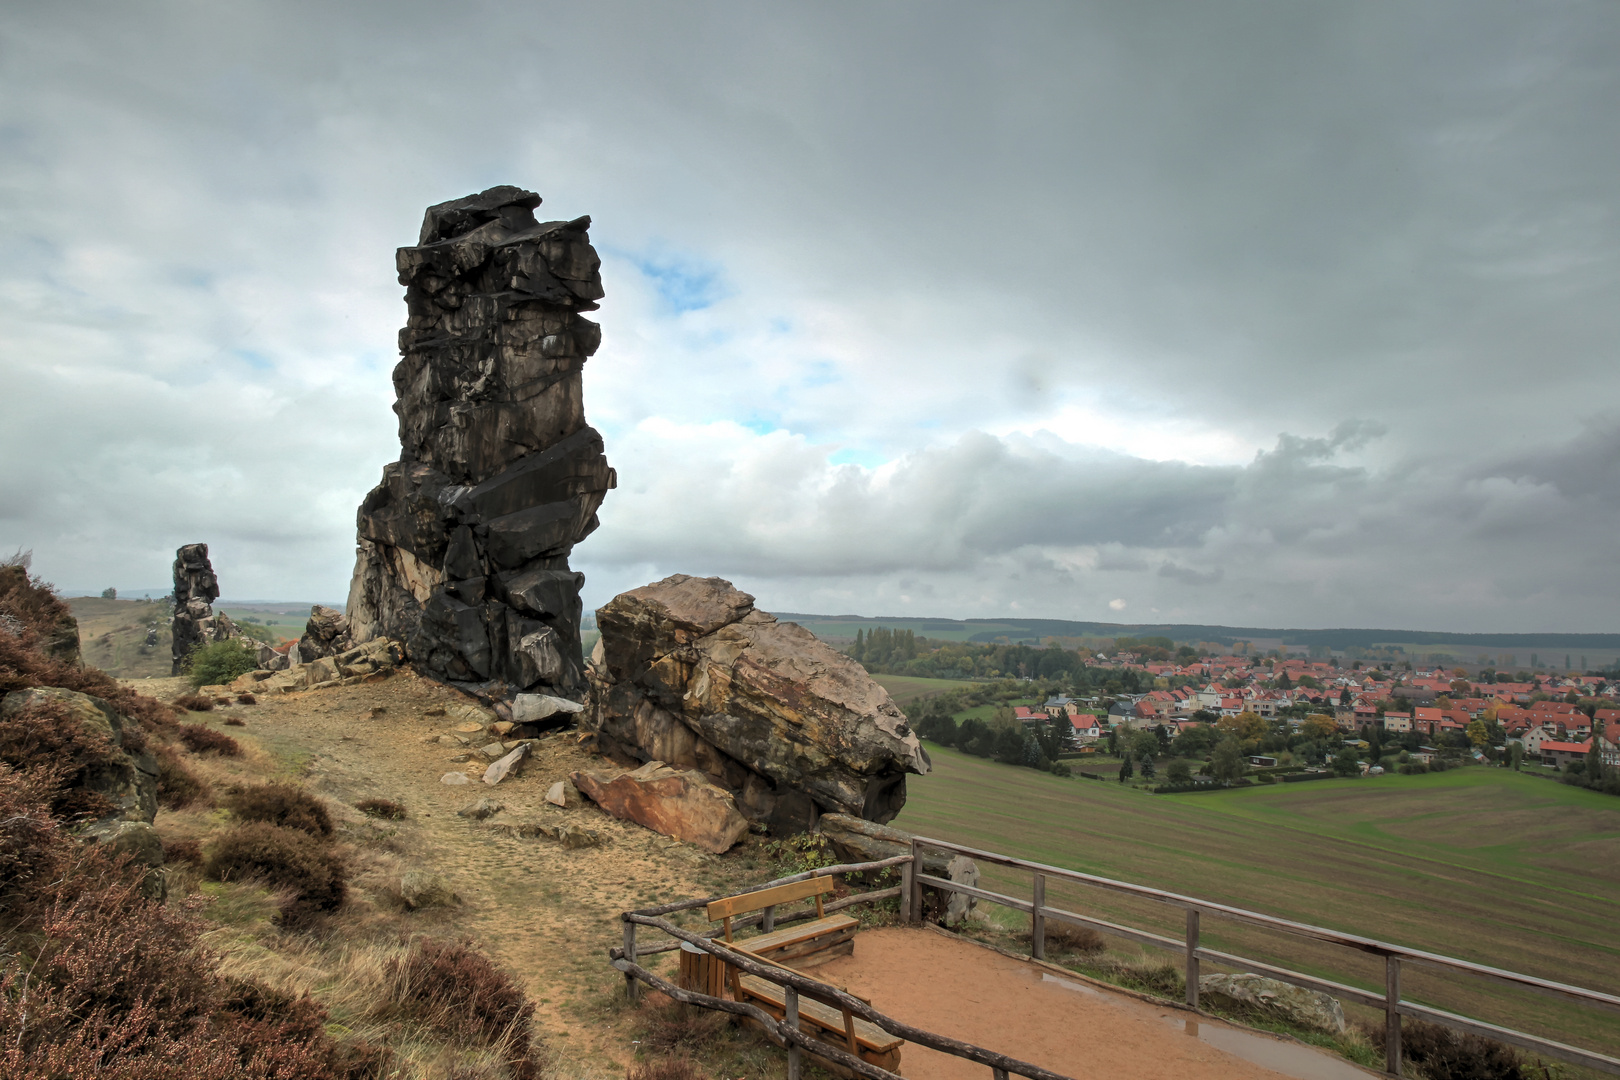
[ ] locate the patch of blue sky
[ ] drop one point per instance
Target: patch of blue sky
(760, 423)
(684, 283)
(855, 455)
(820, 373)
(781, 325)
(255, 360)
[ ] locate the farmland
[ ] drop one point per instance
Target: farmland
(1481, 864)
(908, 688)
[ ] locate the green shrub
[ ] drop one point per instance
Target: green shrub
(220, 662)
(285, 805)
(284, 859)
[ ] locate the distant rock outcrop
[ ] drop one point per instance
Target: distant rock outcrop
(195, 590)
(464, 545)
(688, 672)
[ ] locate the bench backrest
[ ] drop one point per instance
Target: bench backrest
(764, 898)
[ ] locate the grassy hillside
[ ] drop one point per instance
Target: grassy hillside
(1481, 864)
(908, 688)
(112, 636)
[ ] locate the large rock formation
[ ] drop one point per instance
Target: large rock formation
(688, 672)
(463, 546)
(195, 590)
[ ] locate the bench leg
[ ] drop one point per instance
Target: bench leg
(792, 1019)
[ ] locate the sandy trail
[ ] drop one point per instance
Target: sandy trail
(945, 984)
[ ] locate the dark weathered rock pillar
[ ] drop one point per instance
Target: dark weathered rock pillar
(195, 590)
(463, 546)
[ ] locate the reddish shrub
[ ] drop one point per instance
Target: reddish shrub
(182, 851)
(1445, 1054)
(47, 736)
(287, 805)
(194, 703)
(222, 701)
(676, 1027)
(235, 721)
(383, 808)
(245, 699)
(283, 858)
(178, 786)
(456, 988)
(205, 740)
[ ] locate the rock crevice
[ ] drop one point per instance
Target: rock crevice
(464, 545)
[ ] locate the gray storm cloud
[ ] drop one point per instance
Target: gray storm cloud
(1248, 312)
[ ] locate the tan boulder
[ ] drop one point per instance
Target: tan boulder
(680, 804)
(690, 672)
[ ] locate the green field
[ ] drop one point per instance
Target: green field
(1481, 864)
(908, 688)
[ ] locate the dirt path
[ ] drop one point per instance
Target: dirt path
(546, 913)
(951, 986)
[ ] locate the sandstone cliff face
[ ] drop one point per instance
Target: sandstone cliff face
(464, 545)
(688, 672)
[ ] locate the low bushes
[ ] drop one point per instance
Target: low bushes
(678, 1067)
(178, 787)
(451, 986)
(381, 808)
(283, 858)
(194, 703)
(1441, 1053)
(47, 736)
(205, 740)
(1068, 937)
(220, 662)
(286, 805)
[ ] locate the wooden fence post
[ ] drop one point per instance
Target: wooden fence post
(1037, 920)
(1192, 957)
(630, 955)
(916, 885)
(790, 1008)
(1392, 1017)
(769, 923)
(907, 871)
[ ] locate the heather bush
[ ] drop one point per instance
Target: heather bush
(382, 808)
(677, 1067)
(194, 703)
(285, 859)
(1444, 1054)
(220, 662)
(46, 736)
(287, 805)
(205, 740)
(235, 721)
(178, 787)
(451, 986)
(1068, 937)
(182, 851)
(677, 1027)
(246, 699)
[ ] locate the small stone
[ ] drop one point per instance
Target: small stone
(452, 740)
(492, 750)
(454, 778)
(480, 809)
(528, 708)
(575, 837)
(470, 727)
(499, 770)
(563, 794)
(1307, 1008)
(501, 727)
(437, 710)
(420, 889)
(461, 758)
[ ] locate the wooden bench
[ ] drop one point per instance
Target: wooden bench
(805, 945)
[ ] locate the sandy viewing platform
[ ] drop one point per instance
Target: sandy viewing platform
(956, 988)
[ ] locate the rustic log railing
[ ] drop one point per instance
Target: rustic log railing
(795, 984)
(1395, 956)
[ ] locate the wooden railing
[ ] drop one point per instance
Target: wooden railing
(787, 1029)
(1395, 956)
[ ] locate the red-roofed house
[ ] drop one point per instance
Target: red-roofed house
(1086, 726)
(1399, 722)
(1562, 753)
(1025, 715)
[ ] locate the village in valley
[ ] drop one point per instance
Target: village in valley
(1178, 717)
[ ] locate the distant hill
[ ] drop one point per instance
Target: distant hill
(1593, 649)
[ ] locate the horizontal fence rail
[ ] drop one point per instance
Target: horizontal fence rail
(794, 983)
(1395, 956)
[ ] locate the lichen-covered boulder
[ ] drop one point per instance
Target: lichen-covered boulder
(1294, 1004)
(689, 672)
(126, 777)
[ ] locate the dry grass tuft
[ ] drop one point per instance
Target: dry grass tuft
(677, 1027)
(678, 1067)
(285, 858)
(381, 808)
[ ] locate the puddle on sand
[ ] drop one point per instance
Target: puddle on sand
(1290, 1059)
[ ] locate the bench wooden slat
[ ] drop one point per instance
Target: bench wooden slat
(764, 898)
(868, 1035)
(793, 935)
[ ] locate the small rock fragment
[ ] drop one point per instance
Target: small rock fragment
(470, 727)
(454, 778)
(437, 710)
(501, 727)
(420, 889)
(461, 758)
(480, 809)
(563, 794)
(499, 770)
(492, 750)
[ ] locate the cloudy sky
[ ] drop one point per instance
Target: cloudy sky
(1258, 313)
